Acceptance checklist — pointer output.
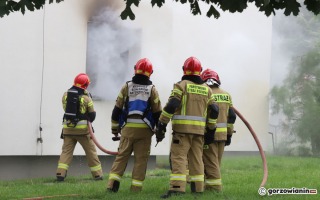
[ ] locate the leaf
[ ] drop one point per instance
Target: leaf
(269, 7)
(313, 6)
(195, 9)
(158, 2)
(29, 5)
(292, 6)
(51, 1)
(135, 2)
(127, 12)
(214, 12)
(23, 9)
(258, 3)
(4, 11)
(233, 5)
(16, 7)
(11, 5)
(39, 3)
(267, 10)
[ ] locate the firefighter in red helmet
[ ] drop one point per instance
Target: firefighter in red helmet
(78, 107)
(213, 151)
(135, 115)
(190, 101)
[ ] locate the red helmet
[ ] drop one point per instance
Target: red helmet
(144, 67)
(210, 74)
(192, 66)
(82, 81)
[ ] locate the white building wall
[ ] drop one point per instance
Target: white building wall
(237, 46)
(21, 55)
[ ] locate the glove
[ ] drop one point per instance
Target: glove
(115, 132)
(209, 136)
(228, 142)
(160, 131)
(116, 137)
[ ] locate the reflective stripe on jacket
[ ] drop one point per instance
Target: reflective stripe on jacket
(85, 106)
(191, 115)
(138, 96)
(224, 101)
(137, 99)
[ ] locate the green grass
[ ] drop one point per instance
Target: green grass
(241, 177)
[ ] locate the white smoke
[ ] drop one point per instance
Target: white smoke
(109, 42)
(290, 41)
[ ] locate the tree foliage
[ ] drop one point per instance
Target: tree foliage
(9, 6)
(298, 98)
(268, 7)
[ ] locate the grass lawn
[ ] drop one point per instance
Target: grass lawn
(241, 178)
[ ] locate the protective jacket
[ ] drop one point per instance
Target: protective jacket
(85, 108)
(224, 101)
(76, 130)
(190, 117)
(212, 153)
(188, 105)
(138, 107)
(134, 107)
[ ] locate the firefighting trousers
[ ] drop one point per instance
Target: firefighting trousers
(186, 150)
(69, 143)
(212, 155)
(138, 141)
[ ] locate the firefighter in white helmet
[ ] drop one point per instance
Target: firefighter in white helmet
(78, 107)
(191, 108)
(213, 151)
(135, 115)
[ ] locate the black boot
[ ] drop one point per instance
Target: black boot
(60, 178)
(193, 189)
(115, 187)
(98, 178)
(171, 193)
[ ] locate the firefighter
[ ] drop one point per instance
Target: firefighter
(212, 152)
(78, 107)
(190, 101)
(135, 114)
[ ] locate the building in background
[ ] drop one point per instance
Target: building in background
(42, 51)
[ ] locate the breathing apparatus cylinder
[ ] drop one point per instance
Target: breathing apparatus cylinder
(72, 107)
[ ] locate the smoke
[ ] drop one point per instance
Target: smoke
(168, 36)
(109, 42)
(293, 36)
(290, 41)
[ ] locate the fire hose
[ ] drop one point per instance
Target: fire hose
(264, 160)
(97, 143)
